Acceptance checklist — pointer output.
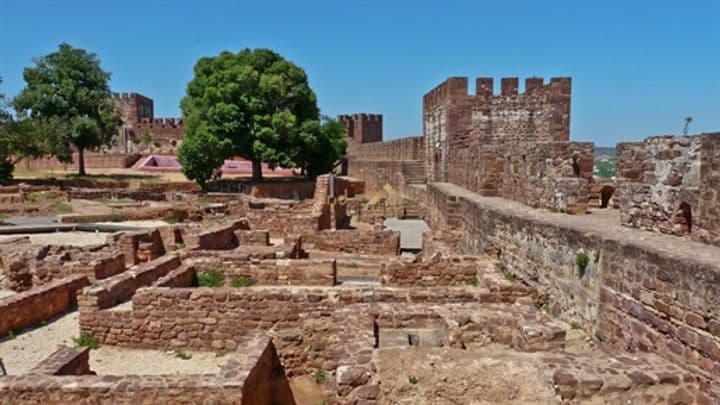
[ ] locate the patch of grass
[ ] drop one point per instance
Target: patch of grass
(41, 324)
(352, 265)
(172, 220)
(596, 257)
(203, 202)
(413, 380)
(182, 355)
(61, 206)
(574, 325)
(210, 278)
(180, 245)
(242, 282)
(545, 307)
(35, 197)
(11, 335)
(473, 282)
(319, 376)
(220, 354)
(115, 217)
(510, 277)
(86, 340)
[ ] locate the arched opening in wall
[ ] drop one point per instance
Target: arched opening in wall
(685, 214)
(576, 167)
(606, 194)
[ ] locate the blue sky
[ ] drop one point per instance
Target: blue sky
(638, 67)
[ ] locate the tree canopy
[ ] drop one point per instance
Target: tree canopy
(260, 107)
(67, 98)
(17, 140)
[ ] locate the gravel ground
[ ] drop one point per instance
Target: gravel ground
(27, 349)
(62, 238)
(111, 360)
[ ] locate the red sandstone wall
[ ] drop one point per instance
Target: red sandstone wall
(26, 309)
(354, 241)
(410, 148)
(672, 185)
(92, 161)
(632, 294)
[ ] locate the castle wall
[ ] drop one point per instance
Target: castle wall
(514, 145)
(642, 294)
(671, 184)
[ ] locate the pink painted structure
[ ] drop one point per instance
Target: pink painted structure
(169, 163)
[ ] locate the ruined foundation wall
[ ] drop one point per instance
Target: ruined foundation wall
(632, 293)
(26, 309)
(368, 242)
(671, 184)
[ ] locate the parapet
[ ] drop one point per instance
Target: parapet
(456, 88)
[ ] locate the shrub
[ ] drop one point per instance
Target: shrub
(10, 335)
(473, 282)
(574, 325)
(319, 376)
(86, 340)
(182, 355)
(210, 278)
(510, 277)
(581, 260)
(413, 380)
(242, 282)
(61, 206)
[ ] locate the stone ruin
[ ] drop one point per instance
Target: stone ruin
(527, 288)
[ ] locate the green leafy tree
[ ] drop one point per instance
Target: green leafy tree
(17, 140)
(201, 155)
(255, 99)
(68, 99)
(319, 145)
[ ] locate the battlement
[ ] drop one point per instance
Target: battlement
(167, 121)
(456, 88)
(129, 96)
(360, 117)
(362, 127)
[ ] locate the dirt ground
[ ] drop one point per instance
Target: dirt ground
(419, 375)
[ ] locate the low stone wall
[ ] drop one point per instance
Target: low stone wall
(65, 361)
(312, 272)
(215, 318)
(141, 246)
(369, 242)
(119, 288)
(288, 189)
(446, 271)
(221, 237)
(92, 161)
(26, 309)
(649, 294)
(26, 265)
(141, 194)
(253, 376)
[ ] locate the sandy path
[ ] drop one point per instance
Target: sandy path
(27, 349)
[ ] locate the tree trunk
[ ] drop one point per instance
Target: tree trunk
(257, 170)
(81, 162)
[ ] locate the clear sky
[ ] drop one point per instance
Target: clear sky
(638, 67)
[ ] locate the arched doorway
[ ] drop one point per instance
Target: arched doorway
(606, 194)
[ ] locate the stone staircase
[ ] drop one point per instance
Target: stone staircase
(414, 172)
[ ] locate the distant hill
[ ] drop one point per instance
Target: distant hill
(607, 152)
